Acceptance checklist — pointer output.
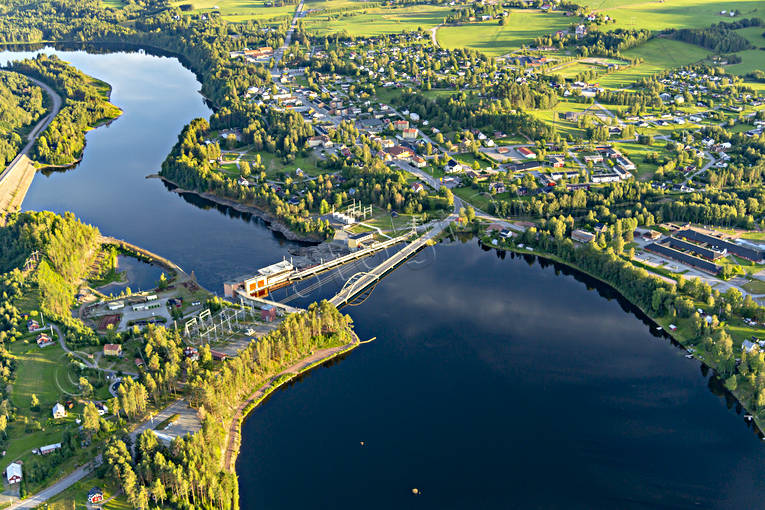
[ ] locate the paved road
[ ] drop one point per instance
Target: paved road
(44, 495)
(87, 362)
(32, 137)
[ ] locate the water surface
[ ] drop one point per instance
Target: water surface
(501, 383)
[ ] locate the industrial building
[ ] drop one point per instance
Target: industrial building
(685, 258)
(267, 278)
(720, 244)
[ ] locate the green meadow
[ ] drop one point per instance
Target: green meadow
(494, 39)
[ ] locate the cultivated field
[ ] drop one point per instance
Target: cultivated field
(494, 39)
(239, 10)
(658, 14)
(658, 55)
(374, 20)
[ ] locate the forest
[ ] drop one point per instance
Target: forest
(66, 247)
(22, 103)
(84, 107)
(187, 473)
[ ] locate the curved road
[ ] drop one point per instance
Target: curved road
(39, 128)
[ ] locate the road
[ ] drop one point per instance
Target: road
(39, 128)
(44, 495)
(85, 361)
(278, 54)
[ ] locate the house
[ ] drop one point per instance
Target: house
(557, 161)
(268, 313)
(44, 340)
(101, 408)
(32, 325)
(45, 450)
(409, 133)
(243, 182)
(419, 162)
(58, 411)
(400, 152)
(452, 167)
(497, 187)
(138, 362)
(417, 187)
(746, 345)
(112, 350)
(526, 153)
(582, 236)
(95, 495)
(401, 125)
(192, 353)
(218, 356)
(13, 472)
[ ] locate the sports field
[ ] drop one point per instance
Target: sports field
(661, 14)
(494, 39)
(374, 20)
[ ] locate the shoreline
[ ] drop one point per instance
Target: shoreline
(234, 434)
(760, 428)
(272, 222)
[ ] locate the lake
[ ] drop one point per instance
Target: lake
(494, 382)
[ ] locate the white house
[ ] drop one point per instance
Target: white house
(59, 411)
(13, 472)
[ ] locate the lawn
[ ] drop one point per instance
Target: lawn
(374, 20)
(76, 496)
(755, 287)
(658, 55)
(43, 372)
(476, 198)
(494, 39)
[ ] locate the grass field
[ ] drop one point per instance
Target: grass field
(659, 15)
(659, 54)
(238, 10)
(493, 39)
(117, 4)
(375, 20)
(44, 372)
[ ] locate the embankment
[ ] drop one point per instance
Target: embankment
(273, 222)
(14, 183)
(319, 357)
(655, 321)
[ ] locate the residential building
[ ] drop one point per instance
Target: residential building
(13, 472)
(112, 349)
(58, 411)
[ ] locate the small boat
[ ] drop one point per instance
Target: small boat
(689, 356)
(748, 417)
(659, 328)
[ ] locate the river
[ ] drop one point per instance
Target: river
(494, 381)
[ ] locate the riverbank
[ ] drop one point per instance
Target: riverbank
(272, 221)
(658, 322)
(234, 439)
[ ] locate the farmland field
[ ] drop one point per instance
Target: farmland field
(374, 20)
(237, 10)
(494, 39)
(659, 55)
(662, 14)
